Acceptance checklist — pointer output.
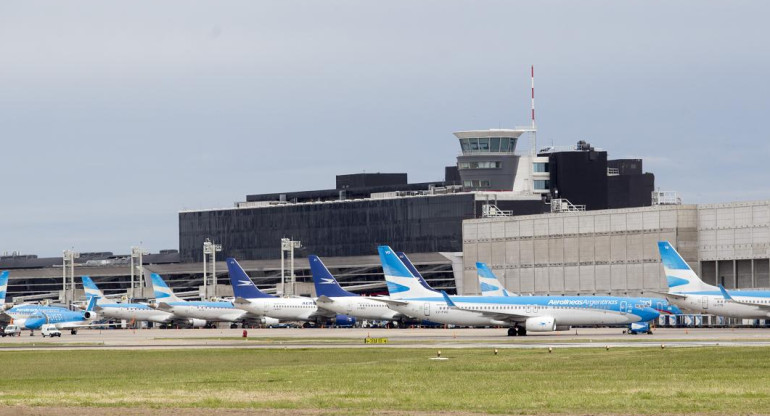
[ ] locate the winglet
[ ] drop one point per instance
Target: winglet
(724, 293)
(448, 300)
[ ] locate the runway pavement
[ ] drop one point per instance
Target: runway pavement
(395, 338)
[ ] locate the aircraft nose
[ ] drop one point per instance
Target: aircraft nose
(648, 314)
(34, 322)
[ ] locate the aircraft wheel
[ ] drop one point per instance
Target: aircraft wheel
(73, 332)
(511, 332)
(522, 332)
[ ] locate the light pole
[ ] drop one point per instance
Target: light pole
(136, 253)
(210, 249)
(288, 245)
(68, 257)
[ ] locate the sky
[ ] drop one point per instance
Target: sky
(114, 116)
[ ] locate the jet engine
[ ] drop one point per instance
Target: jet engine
(196, 323)
(269, 321)
(540, 324)
(89, 315)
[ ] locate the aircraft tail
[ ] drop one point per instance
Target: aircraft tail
(401, 283)
(243, 286)
(3, 286)
(92, 290)
(680, 277)
(408, 263)
(162, 292)
(325, 283)
(490, 285)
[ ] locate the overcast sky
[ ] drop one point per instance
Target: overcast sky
(116, 115)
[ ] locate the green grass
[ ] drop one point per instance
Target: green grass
(586, 381)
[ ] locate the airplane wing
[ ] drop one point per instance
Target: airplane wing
(500, 315)
(163, 306)
(741, 302)
(389, 301)
(670, 296)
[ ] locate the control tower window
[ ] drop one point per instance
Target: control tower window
(540, 167)
(504, 145)
(484, 145)
(542, 185)
(465, 145)
(494, 144)
(474, 145)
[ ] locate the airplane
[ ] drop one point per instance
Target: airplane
(334, 298)
(521, 314)
(198, 313)
(33, 317)
(299, 308)
(129, 311)
(688, 291)
(491, 286)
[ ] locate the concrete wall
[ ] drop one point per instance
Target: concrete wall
(734, 243)
(594, 252)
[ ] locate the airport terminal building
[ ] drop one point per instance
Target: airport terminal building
(562, 220)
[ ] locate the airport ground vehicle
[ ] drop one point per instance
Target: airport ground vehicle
(11, 331)
(50, 330)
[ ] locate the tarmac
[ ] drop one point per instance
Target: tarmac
(135, 339)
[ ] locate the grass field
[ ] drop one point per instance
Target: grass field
(618, 381)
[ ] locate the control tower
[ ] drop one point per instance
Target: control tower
(489, 162)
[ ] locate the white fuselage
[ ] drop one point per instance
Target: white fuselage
(284, 309)
(360, 308)
(717, 305)
(563, 315)
(135, 313)
(208, 311)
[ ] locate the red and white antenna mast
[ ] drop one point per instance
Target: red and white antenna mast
(533, 133)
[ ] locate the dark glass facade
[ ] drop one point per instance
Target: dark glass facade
(418, 224)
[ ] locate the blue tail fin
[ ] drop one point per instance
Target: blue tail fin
(681, 278)
(3, 286)
(325, 283)
(91, 290)
(243, 286)
(408, 263)
(91, 303)
(162, 292)
(401, 283)
(490, 285)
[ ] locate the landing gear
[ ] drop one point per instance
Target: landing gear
(522, 332)
(233, 326)
(73, 332)
(511, 332)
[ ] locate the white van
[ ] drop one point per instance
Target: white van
(51, 330)
(11, 331)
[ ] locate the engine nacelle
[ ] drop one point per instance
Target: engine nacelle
(344, 321)
(540, 324)
(269, 321)
(89, 315)
(196, 323)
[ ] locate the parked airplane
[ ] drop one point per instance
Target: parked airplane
(522, 313)
(130, 311)
(334, 298)
(199, 313)
(689, 292)
(491, 286)
(249, 298)
(33, 317)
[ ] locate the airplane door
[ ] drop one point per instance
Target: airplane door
(623, 306)
(427, 309)
(705, 302)
(349, 308)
